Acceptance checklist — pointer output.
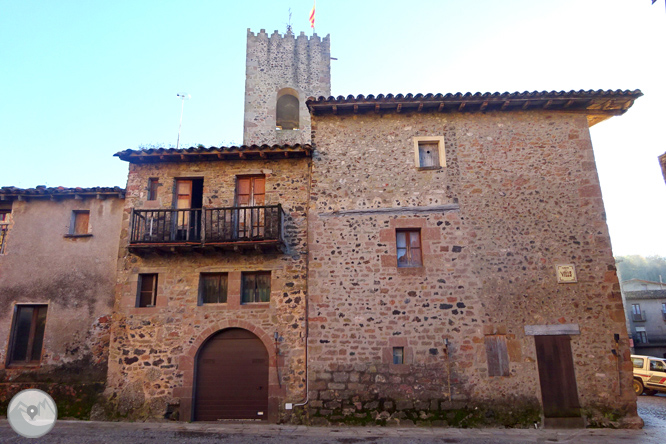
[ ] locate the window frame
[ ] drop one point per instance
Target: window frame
(34, 322)
(153, 184)
(4, 229)
(409, 232)
(255, 298)
(140, 291)
(439, 140)
(74, 224)
(202, 287)
(398, 353)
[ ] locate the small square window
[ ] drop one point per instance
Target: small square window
(398, 355)
(147, 290)
(27, 335)
(213, 288)
(256, 287)
(429, 153)
(152, 188)
(80, 222)
(408, 244)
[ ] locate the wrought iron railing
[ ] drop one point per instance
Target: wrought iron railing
(638, 317)
(207, 226)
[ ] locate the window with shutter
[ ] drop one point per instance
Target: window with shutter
(429, 153)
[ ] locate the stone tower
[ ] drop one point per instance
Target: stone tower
(282, 71)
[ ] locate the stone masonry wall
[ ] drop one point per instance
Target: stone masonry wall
(518, 196)
(153, 348)
(283, 61)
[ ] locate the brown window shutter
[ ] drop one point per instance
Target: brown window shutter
(498, 356)
(81, 220)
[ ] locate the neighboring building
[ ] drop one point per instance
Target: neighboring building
(642, 285)
(212, 278)
(459, 255)
(57, 274)
(645, 306)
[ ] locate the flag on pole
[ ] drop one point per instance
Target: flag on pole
(312, 18)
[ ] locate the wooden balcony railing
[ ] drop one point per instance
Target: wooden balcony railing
(207, 227)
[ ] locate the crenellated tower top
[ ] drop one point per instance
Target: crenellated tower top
(282, 71)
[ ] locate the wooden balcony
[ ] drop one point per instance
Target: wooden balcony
(258, 228)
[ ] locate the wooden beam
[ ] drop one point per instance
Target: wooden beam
(420, 108)
(569, 103)
(462, 106)
(399, 107)
(627, 105)
(161, 156)
(526, 104)
(99, 196)
(484, 105)
(78, 197)
(355, 108)
(377, 108)
(53, 198)
(548, 104)
(262, 154)
(335, 109)
(182, 157)
(21, 198)
(220, 156)
(3, 197)
(241, 155)
(440, 107)
(608, 105)
(286, 154)
(505, 105)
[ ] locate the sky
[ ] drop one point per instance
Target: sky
(84, 80)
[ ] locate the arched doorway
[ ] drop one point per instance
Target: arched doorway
(231, 377)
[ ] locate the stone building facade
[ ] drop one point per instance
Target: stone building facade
(645, 310)
(511, 200)
(156, 349)
(281, 69)
(437, 259)
(57, 273)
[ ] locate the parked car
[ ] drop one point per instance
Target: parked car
(649, 374)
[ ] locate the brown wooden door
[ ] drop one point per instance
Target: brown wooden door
(251, 192)
(232, 377)
(556, 374)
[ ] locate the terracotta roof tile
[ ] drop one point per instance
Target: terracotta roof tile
(215, 153)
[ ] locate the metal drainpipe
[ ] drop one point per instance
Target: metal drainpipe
(307, 286)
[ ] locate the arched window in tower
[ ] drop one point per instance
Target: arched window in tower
(286, 112)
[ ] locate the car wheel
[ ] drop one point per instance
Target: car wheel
(638, 387)
(650, 392)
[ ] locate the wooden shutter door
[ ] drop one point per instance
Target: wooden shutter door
(557, 377)
(232, 377)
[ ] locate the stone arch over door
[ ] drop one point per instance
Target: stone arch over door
(187, 364)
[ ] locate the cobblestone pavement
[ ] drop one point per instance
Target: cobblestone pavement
(651, 408)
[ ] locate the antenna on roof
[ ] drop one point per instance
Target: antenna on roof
(183, 96)
(289, 23)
